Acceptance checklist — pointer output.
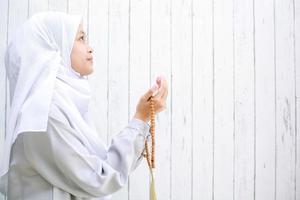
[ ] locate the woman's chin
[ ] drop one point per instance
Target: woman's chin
(91, 71)
(87, 72)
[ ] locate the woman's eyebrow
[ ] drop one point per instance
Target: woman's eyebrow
(82, 32)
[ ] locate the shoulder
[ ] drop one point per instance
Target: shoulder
(57, 117)
(59, 126)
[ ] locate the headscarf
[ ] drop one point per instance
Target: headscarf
(42, 81)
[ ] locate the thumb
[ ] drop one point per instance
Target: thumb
(151, 91)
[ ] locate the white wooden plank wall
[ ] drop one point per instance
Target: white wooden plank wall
(230, 130)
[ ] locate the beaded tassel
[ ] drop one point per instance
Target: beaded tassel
(151, 161)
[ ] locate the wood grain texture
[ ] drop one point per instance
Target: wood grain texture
(230, 130)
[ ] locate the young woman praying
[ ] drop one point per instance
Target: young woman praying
(51, 148)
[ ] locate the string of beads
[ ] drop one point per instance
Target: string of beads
(151, 158)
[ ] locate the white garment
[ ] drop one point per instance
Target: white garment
(41, 78)
(43, 83)
(48, 167)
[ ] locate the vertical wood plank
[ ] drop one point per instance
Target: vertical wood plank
(58, 5)
(202, 100)
(223, 100)
(118, 51)
(79, 7)
(264, 100)
(218, 68)
(297, 71)
(17, 15)
(285, 100)
(244, 100)
(35, 6)
(181, 62)
(161, 65)
(3, 80)
(139, 82)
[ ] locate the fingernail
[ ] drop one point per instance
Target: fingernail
(158, 79)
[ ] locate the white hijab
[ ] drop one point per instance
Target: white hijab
(41, 78)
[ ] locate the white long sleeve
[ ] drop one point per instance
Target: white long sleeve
(64, 162)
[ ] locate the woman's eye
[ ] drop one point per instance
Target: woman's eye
(83, 38)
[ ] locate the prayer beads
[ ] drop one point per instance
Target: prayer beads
(151, 161)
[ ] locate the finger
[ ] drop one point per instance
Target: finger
(164, 83)
(164, 96)
(150, 92)
(159, 105)
(158, 80)
(159, 93)
(162, 89)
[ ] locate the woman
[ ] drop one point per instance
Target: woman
(52, 150)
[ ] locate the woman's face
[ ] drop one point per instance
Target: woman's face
(81, 54)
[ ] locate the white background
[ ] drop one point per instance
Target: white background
(233, 66)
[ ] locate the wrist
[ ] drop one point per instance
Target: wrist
(139, 116)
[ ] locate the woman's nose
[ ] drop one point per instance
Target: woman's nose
(90, 50)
